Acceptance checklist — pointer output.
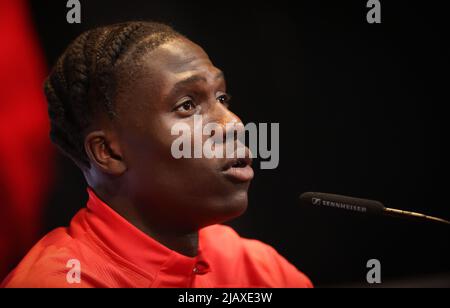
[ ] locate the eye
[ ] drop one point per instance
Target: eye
(224, 99)
(186, 106)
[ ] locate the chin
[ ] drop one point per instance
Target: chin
(228, 208)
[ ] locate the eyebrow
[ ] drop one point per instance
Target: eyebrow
(193, 79)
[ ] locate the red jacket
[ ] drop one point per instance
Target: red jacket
(102, 249)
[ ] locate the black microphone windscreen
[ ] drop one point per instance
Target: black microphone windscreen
(363, 206)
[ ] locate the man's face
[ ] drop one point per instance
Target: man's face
(166, 86)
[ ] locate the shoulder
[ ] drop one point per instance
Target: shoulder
(260, 260)
(48, 263)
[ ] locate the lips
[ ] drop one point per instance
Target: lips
(239, 169)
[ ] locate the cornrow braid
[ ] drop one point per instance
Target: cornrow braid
(83, 80)
(114, 46)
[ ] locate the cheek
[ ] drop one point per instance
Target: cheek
(148, 153)
(153, 167)
(148, 134)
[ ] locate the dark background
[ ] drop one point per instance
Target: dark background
(361, 111)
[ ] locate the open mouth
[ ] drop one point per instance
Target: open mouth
(241, 163)
(239, 170)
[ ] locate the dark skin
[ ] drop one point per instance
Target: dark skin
(132, 168)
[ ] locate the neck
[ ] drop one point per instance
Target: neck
(185, 243)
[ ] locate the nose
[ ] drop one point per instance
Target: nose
(222, 115)
(230, 122)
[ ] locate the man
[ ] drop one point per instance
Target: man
(151, 220)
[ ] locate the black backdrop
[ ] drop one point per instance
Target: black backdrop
(360, 107)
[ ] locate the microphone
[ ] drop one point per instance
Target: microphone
(362, 206)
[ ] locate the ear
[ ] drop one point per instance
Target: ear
(104, 152)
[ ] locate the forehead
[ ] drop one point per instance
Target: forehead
(176, 60)
(147, 82)
(176, 56)
(157, 71)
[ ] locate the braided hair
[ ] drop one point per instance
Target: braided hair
(83, 81)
